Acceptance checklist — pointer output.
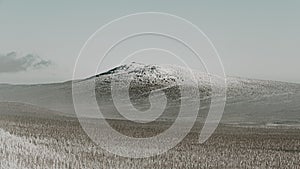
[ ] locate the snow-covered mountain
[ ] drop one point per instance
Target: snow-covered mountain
(170, 74)
(248, 100)
(151, 77)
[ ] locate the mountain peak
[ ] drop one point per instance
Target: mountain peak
(146, 73)
(132, 67)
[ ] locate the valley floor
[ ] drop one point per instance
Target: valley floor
(27, 142)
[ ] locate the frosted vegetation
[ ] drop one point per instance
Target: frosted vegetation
(27, 142)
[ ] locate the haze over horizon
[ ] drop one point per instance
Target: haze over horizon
(67, 80)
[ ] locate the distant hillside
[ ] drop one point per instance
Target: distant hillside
(247, 99)
(22, 109)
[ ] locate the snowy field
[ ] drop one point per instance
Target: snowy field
(28, 142)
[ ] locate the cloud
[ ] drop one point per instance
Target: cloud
(12, 63)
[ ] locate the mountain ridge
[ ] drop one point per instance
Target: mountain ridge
(243, 94)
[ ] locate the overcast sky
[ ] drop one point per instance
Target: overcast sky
(40, 41)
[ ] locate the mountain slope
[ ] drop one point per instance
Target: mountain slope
(248, 100)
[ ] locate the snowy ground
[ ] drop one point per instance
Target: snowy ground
(27, 142)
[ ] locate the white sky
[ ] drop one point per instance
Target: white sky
(255, 39)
